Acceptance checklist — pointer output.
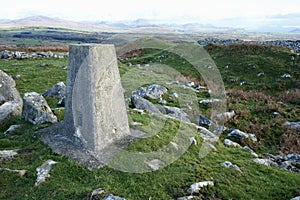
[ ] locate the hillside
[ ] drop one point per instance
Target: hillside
(262, 103)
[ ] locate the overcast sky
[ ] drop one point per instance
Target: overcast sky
(166, 10)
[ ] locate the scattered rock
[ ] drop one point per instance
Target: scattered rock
(175, 112)
(172, 82)
(154, 164)
(260, 74)
(293, 157)
(266, 162)
(189, 198)
(229, 165)
(293, 125)
(143, 104)
(286, 76)
(21, 172)
(43, 172)
(237, 134)
(296, 198)
(203, 121)
(11, 129)
(96, 194)
(61, 102)
(112, 197)
(253, 137)
(56, 91)
(10, 100)
(6, 155)
(36, 109)
(246, 148)
(193, 140)
(196, 187)
(230, 143)
(174, 95)
(152, 91)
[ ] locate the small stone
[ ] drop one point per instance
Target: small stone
(229, 165)
(7, 155)
(196, 187)
(43, 172)
(246, 148)
(154, 164)
(266, 162)
(229, 143)
(11, 129)
(112, 197)
(237, 134)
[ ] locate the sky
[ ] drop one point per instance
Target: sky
(179, 11)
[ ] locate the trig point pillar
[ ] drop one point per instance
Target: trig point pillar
(95, 111)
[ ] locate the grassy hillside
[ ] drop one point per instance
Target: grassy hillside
(254, 104)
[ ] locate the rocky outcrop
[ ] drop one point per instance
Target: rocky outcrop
(10, 100)
(36, 109)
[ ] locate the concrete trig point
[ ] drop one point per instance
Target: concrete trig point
(95, 109)
(95, 112)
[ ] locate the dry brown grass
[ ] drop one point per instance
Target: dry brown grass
(291, 96)
(290, 141)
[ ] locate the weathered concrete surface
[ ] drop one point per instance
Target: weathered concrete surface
(95, 123)
(95, 107)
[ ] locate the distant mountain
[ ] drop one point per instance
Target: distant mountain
(42, 21)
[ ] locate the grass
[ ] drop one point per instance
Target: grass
(254, 106)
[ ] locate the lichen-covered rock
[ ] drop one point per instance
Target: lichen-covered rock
(229, 165)
(36, 109)
(153, 91)
(230, 143)
(143, 104)
(10, 100)
(43, 172)
(175, 113)
(56, 91)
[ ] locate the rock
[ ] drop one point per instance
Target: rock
(152, 91)
(246, 148)
(196, 187)
(293, 157)
(211, 146)
(260, 74)
(175, 112)
(61, 102)
(286, 76)
(189, 198)
(56, 91)
(43, 172)
(230, 143)
(172, 82)
(289, 166)
(96, 194)
(175, 145)
(11, 129)
(174, 95)
(266, 162)
(21, 172)
(229, 165)
(112, 197)
(36, 109)
(253, 137)
(296, 198)
(7, 155)
(237, 134)
(143, 104)
(193, 140)
(293, 125)
(10, 100)
(203, 121)
(162, 101)
(8, 110)
(154, 164)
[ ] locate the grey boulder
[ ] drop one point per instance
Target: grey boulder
(56, 91)
(36, 109)
(10, 100)
(175, 112)
(139, 102)
(153, 91)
